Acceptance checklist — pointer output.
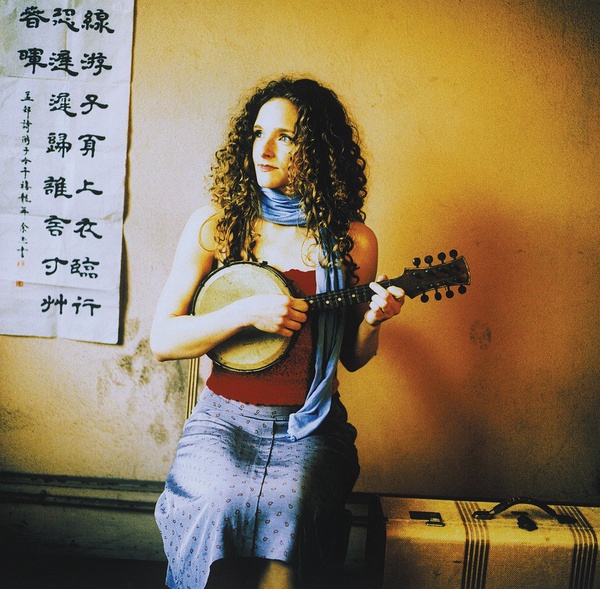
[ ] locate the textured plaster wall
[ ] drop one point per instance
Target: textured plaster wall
(480, 125)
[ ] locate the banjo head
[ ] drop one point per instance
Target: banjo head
(250, 350)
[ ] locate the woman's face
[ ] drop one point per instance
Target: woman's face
(273, 147)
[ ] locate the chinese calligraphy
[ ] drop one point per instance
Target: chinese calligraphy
(61, 301)
(34, 17)
(62, 61)
(62, 102)
(57, 142)
(65, 87)
(24, 196)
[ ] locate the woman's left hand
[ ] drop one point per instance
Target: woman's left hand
(385, 302)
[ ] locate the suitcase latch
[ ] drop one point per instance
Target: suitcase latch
(525, 522)
(431, 518)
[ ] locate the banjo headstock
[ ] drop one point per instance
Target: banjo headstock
(417, 281)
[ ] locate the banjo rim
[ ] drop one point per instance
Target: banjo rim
(217, 355)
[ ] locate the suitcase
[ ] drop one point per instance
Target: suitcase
(520, 543)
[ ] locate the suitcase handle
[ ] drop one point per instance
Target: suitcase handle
(508, 503)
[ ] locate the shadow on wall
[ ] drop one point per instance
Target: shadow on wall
(506, 408)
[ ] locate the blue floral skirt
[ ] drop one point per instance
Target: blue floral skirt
(240, 487)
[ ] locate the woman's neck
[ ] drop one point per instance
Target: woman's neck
(285, 247)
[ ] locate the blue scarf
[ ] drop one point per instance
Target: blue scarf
(284, 210)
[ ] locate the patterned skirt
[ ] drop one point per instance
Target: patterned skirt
(239, 487)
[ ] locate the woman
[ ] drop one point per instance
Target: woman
(267, 458)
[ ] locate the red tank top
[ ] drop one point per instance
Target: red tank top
(287, 381)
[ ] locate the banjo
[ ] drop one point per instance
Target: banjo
(252, 350)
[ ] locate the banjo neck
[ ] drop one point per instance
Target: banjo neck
(343, 298)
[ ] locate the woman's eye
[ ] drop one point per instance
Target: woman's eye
(286, 139)
(257, 133)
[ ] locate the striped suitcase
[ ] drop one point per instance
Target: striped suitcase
(520, 543)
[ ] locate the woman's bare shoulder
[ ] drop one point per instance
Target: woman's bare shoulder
(209, 212)
(364, 237)
(364, 251)
(201, 225)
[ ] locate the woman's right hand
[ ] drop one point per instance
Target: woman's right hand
(273, 313)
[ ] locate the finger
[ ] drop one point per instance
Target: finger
(299, 305)
(290, 307)
(396, 292)
(395, 301)
(385, 296)
(386, 308)
(287, 327)
(378, 289)
(285, 332)
(387, 303)
(288, 330)
(378, 315)
(377, 304)
(374, 317)
(296, 316)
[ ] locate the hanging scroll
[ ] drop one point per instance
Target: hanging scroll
(65, 68)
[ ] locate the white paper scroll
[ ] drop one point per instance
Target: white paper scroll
(65, 70)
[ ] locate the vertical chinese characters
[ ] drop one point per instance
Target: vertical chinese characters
(24, 189)
(71, 67)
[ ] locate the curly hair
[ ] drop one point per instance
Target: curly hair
(327, 172)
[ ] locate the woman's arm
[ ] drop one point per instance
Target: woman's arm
(175, 334)
(361, 337)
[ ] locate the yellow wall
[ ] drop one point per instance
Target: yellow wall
(480, 123)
